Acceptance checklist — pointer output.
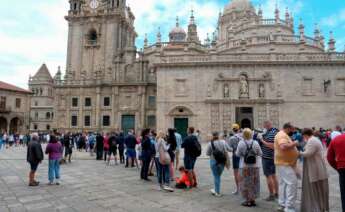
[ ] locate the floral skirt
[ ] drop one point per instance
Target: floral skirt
(250, 183)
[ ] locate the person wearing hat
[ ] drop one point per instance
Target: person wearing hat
(233, 143)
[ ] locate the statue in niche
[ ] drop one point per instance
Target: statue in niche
(226, 91)
(262, 90)
(244, 87)
(209, 90)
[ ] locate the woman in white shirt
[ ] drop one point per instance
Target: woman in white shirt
(249, 152)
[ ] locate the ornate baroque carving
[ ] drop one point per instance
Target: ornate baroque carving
(215, 117)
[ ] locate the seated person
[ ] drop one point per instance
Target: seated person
(183, 182)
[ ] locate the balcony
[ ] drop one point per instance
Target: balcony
(5, 109)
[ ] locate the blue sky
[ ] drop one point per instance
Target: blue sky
(35, 32)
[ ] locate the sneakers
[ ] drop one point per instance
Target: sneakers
(281, 208)
(235, 192)
(168, 188)
(214, 193)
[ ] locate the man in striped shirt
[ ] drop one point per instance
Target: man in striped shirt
(267, 147)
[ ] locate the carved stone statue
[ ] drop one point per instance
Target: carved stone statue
(209, 90)
(226, 91)
(244, 87)
(262, 90)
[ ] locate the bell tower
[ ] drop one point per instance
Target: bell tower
(101, 39)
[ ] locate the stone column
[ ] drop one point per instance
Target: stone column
(98, 112)
(80, 113)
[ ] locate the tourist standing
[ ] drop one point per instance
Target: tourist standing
(68, 146)
(179, 141)
(249, 152)
(233, 143)
(34, 158)
(147, 152)
(99, 146)
(130, 143)
(192, 150)
(54, 151)
(106, 146)
(171, 139)
(285, 159)
(336, 132)
(1, 140)
(91, 141)
(267, 147)
(315, 188)
(162, 160)
(112, 148)
(217, 150)
(336, 158)
(121, 146)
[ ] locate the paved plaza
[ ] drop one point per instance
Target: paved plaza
(90, 185)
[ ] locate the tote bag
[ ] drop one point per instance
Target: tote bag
(164, 157)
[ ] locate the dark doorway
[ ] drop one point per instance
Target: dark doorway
(128, 123)
(246, 123)
(14, 125)
(181, 126)
(3, 125)
(245, 117)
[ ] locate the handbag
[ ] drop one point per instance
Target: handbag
(164, 157)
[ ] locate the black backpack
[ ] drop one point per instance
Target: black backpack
(218, 155)
(197, 150)
(250, 156)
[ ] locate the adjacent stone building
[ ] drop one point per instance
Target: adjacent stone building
(14, 109)
(42, 100)
(252, 69)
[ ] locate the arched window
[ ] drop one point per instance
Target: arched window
(92, 37)
(75, 6)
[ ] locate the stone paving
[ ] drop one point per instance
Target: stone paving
(90, 185)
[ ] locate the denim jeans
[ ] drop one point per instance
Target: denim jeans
(217, 170)
(163, 173)
(53, 170)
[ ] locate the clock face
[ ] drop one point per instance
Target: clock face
(94, 4)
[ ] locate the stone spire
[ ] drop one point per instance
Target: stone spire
(291, 20)
(277, 14)
(317, 32)
(192, 29)
(287, 15)
(145, 41)
(159, 35)
(58, 76)
(260, 12)
(207, 41)
(301, 30)
(331, 42)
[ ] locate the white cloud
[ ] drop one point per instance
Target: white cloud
(334, 20)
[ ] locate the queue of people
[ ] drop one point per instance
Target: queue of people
(279, 152)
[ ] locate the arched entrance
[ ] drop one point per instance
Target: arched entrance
(246, 123)
(3, 124)
(181, 119)
(15, 125)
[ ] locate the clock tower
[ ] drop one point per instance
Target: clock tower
(101, 40)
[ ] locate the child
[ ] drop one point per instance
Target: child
(183, 182)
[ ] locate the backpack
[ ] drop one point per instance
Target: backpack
(218, 155)
(196, 148)
(250, 156)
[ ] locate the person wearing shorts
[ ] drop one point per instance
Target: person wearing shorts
(233, 143)
(112, 148)
(268, 166)
(34, 157)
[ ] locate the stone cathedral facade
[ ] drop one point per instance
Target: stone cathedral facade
(252, 69)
